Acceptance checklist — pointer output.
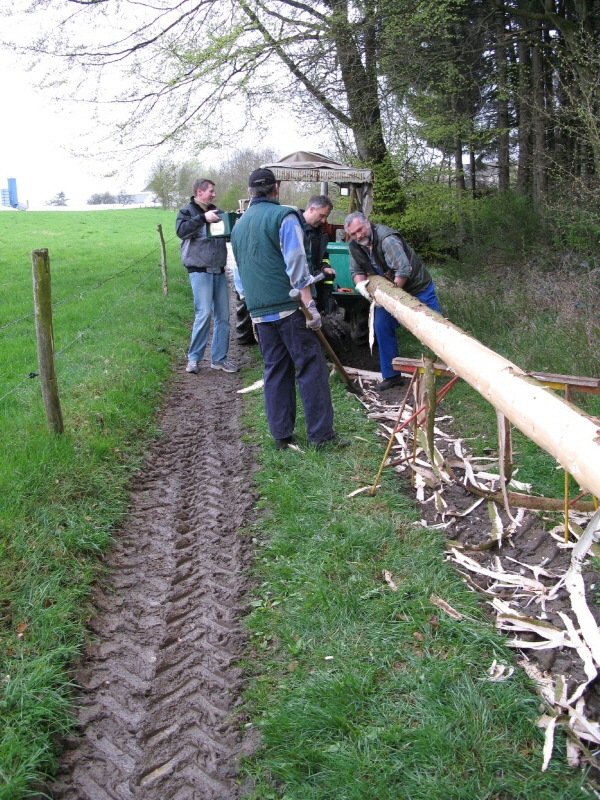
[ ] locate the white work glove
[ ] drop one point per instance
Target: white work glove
(361, 287)
(315, 323)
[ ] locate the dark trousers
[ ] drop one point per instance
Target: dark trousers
(293, 353)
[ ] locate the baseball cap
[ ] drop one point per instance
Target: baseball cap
(261, 177)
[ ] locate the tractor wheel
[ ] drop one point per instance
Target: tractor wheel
(359, 326)
(243, 326)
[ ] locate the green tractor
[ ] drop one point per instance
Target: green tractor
(355, 183)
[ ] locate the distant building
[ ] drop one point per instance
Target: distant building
(146, 198)
(8, 196)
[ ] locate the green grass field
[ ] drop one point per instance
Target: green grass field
(116, 336)
(359, 692)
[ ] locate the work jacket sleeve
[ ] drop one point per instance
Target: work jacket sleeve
(188, 224)
(291, 240)
(237, 281)
(395, 257)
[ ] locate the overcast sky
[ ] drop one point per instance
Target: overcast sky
(35, 136)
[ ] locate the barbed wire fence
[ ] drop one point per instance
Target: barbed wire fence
(78, 296)
(83, 292)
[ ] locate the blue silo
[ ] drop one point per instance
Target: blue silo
(12, 193)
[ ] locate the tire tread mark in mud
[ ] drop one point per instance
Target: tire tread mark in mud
(157, 710)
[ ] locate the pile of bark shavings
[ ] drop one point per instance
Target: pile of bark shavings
(541, 590)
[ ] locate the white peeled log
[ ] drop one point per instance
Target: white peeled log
(548, 420)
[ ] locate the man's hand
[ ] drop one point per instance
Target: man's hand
(315, 323)
(361, 287)
(211, 216)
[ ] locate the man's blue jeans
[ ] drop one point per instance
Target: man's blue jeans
(385, 330)
(211, 297)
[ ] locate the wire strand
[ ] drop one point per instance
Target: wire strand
(118, 303)
(14, 389)
(82, 333)
(86, 291)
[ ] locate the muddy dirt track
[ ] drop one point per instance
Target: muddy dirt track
(159, 679)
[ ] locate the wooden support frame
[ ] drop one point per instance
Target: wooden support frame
(569, 435)
(568, 384)
(430, 406)
(564, 383)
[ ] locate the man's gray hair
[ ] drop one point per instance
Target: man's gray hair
(354, 215)
(262, 191)
(320, 201)
(203, 184)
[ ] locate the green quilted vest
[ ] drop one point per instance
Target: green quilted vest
(255, 243)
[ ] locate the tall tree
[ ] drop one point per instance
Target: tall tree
(473, 72)
(194, 68)
(59, 199)
(163, 182)
(434, 60)
(502, 97)
(523, 109)
(539, 119)
(101, 198)
(565, 62)
(232, 174)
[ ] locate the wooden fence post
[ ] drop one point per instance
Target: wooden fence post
(431, 403)
(163, 259)
(42, 299)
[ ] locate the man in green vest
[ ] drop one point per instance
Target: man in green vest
(268, 245)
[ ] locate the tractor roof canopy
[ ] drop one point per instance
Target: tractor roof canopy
(316, 168)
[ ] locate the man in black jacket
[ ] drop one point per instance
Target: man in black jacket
(314, 216)
(205, 261)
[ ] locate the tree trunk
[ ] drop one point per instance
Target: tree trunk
(459, 169)
(502, 117)
(579, 32)
(524, 107)
(538, 120)
(360, 82)
(359, 77)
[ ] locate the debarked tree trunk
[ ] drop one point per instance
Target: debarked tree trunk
(557, 426)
